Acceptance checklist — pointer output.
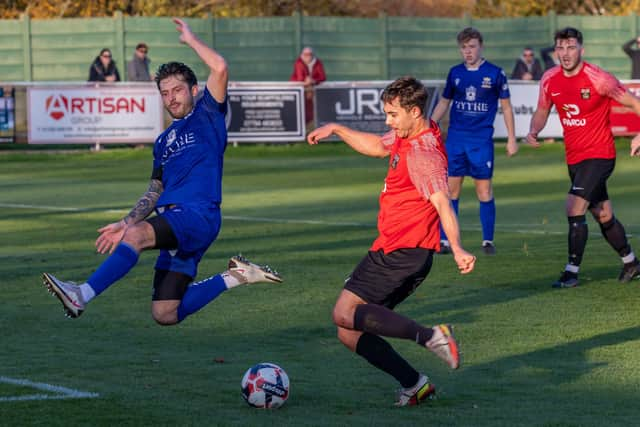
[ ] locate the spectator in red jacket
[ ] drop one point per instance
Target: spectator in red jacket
(309, 70)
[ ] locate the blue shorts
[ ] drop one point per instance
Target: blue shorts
(195, 228)
(474, 160)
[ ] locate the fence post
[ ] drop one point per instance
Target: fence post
(297, 36)
(467, 20)
(211, 30)
(120, 48)
(553, 24)
(384, 42)
(26, 47)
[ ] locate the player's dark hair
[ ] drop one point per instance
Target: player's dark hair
(177, 69)
(468, 34)
(568, 33)
(409, 91)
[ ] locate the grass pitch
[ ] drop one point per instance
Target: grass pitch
(531, 355)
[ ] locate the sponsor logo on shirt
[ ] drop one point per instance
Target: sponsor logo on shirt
(572, 110)
(177, 144)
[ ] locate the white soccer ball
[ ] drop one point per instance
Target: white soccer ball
(265, 385)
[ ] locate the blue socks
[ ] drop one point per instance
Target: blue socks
(488, 219)
(200, 294)
(113, 268)
(454, 203)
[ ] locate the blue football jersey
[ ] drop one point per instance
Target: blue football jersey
(474, 95)
(190, 154)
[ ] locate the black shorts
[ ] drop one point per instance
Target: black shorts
(389, 279)
(170, 285)
(589, 179)
(165, 237)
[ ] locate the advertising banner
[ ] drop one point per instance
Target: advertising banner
(117, 113)
(624, 121)
(357, 104)
(524, 100)
(269, 113)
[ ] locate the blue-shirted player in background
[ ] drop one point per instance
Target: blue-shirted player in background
(185, 191)
(473, 90)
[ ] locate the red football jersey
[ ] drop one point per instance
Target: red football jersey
(583, 102)
(417, 169)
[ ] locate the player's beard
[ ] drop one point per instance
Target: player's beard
(572, 67)
(180, 113)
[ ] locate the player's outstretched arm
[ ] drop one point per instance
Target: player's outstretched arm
(509, 121)
(112, 234)
(538, 122)
(218, 76)
(628, 99)
(365, 143)
(465, 260)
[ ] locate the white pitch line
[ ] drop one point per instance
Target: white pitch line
(502, 229)
(39, 207)
(60, 392)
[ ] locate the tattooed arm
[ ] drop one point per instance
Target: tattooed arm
(145, 204)
(112, 234)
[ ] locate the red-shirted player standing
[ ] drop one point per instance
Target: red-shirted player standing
(582, 94)
(414, 200)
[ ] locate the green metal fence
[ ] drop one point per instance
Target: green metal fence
(263, 49)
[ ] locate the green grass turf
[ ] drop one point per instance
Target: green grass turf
(531, 355)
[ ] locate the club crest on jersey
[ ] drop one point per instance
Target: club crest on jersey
(585, 93)
(456, 81)
(394, 162)
(171, 137)
(486, 83)
(470, 93)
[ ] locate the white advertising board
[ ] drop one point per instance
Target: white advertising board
(524, 100)
(74, 114)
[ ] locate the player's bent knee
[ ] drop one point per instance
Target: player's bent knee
(342, 318)
(165, 317)
(140, 236)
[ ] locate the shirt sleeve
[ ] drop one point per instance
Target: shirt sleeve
(449, 89)
(427, 167)
(544, 100)
(388, 139)
(211, 105)
(503, 85)
(605, 83)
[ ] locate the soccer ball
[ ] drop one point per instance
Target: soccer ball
(265, 385)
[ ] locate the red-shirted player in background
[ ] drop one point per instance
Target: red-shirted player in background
(414, 200)
(582, 94)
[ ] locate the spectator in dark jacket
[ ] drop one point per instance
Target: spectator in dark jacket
(634, 54)
(309, 70)
(549, 57)
(103, 68)
(138, 67)
(527, 67)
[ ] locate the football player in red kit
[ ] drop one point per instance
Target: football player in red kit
(413, 201)
(582, 94)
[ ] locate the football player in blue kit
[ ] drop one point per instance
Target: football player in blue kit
(473, 90)
(185, 192)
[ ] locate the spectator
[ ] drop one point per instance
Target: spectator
(309, 70)
(549, 57)
(527, 66)
(634, 54)
(103, 68)
(138, 67)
